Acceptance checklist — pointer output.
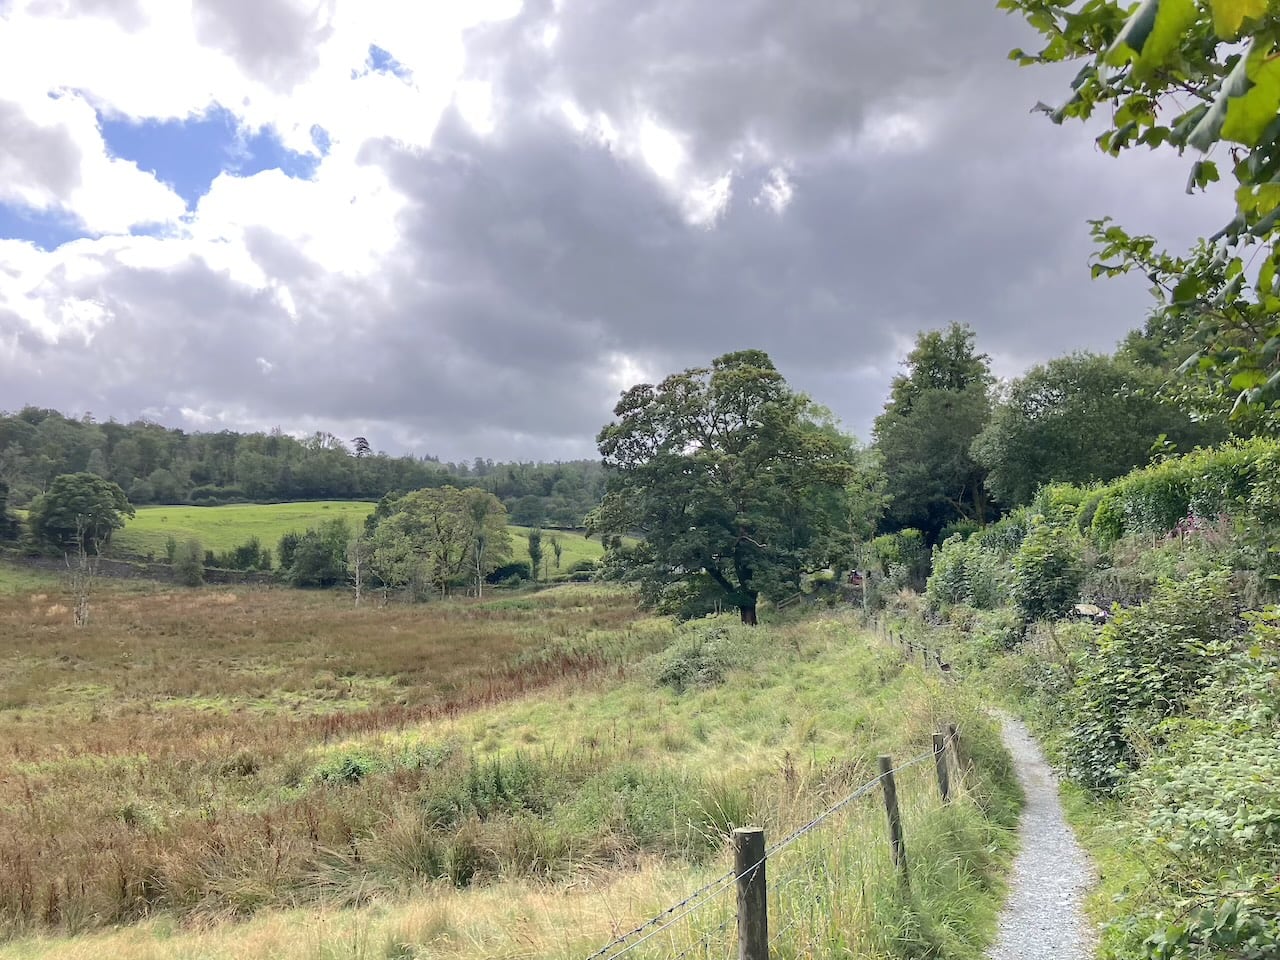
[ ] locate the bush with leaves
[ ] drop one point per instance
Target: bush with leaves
(704, 657)
(1206, 483)
(317, 558)
(1151, 659)
(1207, 809)
(1005, 536)
(1047, 574)
(188, 563)
(965, 572)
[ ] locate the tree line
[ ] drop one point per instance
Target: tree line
(153, 464)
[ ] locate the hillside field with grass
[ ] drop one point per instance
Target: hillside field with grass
(243, 773)
(223, 528)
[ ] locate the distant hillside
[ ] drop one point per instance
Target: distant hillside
(159, 465)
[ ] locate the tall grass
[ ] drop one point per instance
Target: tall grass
(483, 780)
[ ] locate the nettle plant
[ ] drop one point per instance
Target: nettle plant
(1200, 76)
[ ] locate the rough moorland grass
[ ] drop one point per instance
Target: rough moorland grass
(15, 578)
(222, 528)
(567, 815)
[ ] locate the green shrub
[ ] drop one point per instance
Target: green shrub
(1059, 503)
(964, 529)
(510, 573)
(1088, 507)
(949, 582)
(347, 768)
(1206, 484)
(1150, 660)
(250, 555)
(901, 558)
(705, 657)
(188, 564)
(1207, 816)
(1047, 573)
(1005, 536)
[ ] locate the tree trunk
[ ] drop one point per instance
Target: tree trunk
(748, 613)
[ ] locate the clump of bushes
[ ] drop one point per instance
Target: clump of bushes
(188, 563)
(704, 657)
(248, 556)
(1047, 574)
(1228, 480)
(966, 573)
(1149, 662)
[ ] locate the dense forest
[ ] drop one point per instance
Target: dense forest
(155, 464)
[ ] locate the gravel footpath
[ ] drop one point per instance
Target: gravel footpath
(1043, 917)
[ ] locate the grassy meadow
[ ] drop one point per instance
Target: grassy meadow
(222, 528)
(277, 773)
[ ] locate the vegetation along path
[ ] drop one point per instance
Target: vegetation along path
(1043, 917)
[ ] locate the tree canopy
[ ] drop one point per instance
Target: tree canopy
(936, 408)
(78, 507)
(449, 535)
(736, 483)
(1078, 419)
(1177, 74)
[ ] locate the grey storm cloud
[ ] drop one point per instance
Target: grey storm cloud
(33, 154)
(274, 41)
(533, 258)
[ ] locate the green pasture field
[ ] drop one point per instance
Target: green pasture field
(222, 528)
(225, 527)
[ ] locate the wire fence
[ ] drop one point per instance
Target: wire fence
(930, 657)
(722, 923)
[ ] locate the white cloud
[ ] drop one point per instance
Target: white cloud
(777, 191)
(105, 194)
(661, 149)
(895, 131)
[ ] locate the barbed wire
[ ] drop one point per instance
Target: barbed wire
(702, 940)
(710, 891)
(703, 895)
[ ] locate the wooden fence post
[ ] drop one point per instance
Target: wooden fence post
(896, 844)
(753, 901)
(940, 761)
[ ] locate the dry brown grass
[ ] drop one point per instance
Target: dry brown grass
(165, 754)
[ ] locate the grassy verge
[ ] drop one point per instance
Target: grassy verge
(536, 823)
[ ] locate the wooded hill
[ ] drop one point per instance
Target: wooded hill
(156, 464)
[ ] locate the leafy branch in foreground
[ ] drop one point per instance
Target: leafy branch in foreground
(1178, 74)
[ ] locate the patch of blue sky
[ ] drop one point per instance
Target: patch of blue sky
(189, 154)
(47, 229)
(381, 61)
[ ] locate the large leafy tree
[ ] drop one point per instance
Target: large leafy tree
(1202, 75)
(936, 408)
(78, 508)
(735, 484)
(456, 535)
(1076, 419)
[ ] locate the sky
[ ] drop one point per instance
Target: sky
(462, 228)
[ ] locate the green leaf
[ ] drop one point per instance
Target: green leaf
(1152, 34)
(1203, 173)
(1209, 130)
(1248, 116)
(1228, 15)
